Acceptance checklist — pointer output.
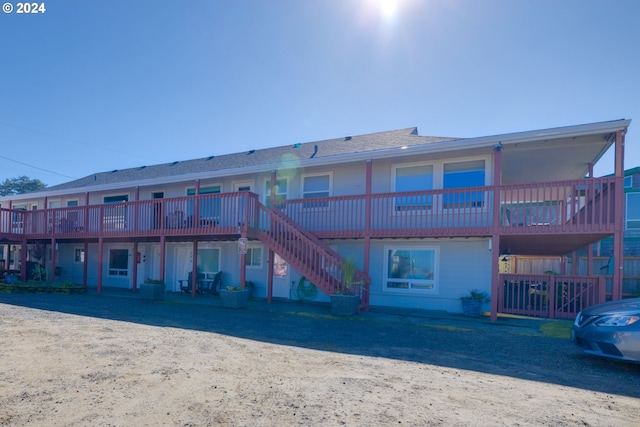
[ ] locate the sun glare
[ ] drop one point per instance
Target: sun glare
(388, 8)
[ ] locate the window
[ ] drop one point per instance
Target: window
(115, 217)
(214, 189)
(633, 211)
(79, 255)
(410, 269)
(316, 186)
(208, 262)
(209, 207)
(281, 190)
(461, 175)
(413, 178)
(253, 259)
(118, 262)
(72, 203)
(628, 181)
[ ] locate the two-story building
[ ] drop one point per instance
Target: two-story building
(426, 218)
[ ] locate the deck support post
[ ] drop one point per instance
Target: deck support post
(163, 253)
(100, 263)
(618, 234)
(367, 235)
(52, 276)
(134, 285)
(270, 276)
(495, 225)
(194, 269)
(495, 275)
(23, 261)
(85, 264)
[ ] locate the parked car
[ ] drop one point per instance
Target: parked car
(610, 329)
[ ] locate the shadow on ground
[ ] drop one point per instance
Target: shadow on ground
(509, 347)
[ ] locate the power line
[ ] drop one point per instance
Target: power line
(36, 167)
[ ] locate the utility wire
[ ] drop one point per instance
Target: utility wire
(36, 167)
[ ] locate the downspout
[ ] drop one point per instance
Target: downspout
(618, 235)
(495, 232)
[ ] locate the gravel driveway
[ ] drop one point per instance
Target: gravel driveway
(513, 348)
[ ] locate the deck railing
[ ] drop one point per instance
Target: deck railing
(579, 206)
(549, 295)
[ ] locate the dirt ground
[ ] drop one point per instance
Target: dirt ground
(61, 369)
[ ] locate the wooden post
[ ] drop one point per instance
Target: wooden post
(134, 285)
(618, 235)
(194, 269)
(100, 263)
(85, 265)
(52, 275)
(367, 231)
(495, 238)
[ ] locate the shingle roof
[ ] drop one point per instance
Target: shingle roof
(266, 156)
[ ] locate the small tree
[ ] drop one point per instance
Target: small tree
(20, 185)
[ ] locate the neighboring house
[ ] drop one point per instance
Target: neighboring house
(427, 219)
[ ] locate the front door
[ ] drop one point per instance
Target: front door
(281, 278)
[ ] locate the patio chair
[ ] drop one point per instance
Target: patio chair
(185, 284)
(212, 287)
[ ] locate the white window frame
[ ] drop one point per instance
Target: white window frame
(485, 195)
(118, 272)
(329, 190)
(626, 213)
(209, 275)
(417, 208)
(251, 248)
(186, 191)
(411, 291)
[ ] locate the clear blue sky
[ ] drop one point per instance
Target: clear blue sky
(91, 86)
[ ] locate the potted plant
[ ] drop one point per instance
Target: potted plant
(234, 296)
(152, 289)
(250, 286)
(472, 303)
(344, 302)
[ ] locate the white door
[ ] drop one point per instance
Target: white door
(183, 265)
(281, 278)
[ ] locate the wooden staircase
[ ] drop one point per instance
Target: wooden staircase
(320, 264)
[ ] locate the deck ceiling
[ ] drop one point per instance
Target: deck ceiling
(547, 244)
(552, 160)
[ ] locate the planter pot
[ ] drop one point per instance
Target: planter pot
(472, 307)
(152, 291)
(234, 299)
(344, 305)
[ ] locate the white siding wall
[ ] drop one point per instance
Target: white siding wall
(463, 264)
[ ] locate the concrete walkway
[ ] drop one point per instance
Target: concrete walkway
(520, 324)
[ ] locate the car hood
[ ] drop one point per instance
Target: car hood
(626, 306)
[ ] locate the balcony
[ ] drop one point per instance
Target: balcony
(580, 207)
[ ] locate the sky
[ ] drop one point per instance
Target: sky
(91, 86)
